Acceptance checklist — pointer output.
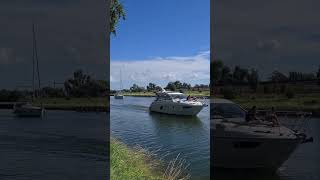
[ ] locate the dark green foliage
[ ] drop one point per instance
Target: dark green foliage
(283, 88)
(83, 85)
(266, 89)
(221, 74)
(151, 87)
(228, 93)
(10, 96)
(290, 93)
(53, 92)
(136, 88)
(116, 13)
(253, 79)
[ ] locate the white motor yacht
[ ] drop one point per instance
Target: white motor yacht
(176, 103)
(240, 144)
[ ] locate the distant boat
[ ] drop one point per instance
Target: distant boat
(26, 109)
(119, 94)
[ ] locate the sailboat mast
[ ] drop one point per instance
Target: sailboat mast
(120, 81)
(33, 56)
(37, 60)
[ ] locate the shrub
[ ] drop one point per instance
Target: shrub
(266, 89)
(290, 93)
(228, 93)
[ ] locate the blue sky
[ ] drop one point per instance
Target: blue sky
(168, 31)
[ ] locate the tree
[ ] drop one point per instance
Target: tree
(171, 86)
(136, 88)
(215, 70)
(186, 86)
(116, 13)
(151, 87)
(253, 79)
(226, 76)
(83, 85)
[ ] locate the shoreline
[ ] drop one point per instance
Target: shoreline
(138, 163)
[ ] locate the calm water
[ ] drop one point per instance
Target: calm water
(63, 145)
(167, 135)
(302, 165)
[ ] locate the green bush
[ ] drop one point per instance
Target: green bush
(290, 93)
(228, 93)
(266, 89)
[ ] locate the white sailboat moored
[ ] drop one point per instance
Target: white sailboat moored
(119, 94)
(26, 109)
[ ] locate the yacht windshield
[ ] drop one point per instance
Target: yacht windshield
(178, 96)
(227, 110)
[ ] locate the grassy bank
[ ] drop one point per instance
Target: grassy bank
(152, 94)
(127, 163)
(99, 104)
(305, 102)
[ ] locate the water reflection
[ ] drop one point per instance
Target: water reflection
(173, 120)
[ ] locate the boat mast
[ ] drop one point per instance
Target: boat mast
(33, 54)
(37, 60)
(120, 81)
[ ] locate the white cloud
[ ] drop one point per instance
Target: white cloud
(160, 70)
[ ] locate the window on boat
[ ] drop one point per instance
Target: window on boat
(227, 110)
(178, 96)
(163, 97)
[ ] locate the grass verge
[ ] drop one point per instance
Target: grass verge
(303, 102)
(138, 164)
(73, 103)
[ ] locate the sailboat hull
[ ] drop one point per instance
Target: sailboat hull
(118, 96)
(28, 111)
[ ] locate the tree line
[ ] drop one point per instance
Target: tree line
(171, 86)
(80, 85)
(224, 75)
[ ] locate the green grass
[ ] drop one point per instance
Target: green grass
(138, 164)
(63, 103)
(306, 102)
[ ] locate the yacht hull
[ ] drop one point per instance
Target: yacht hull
(175, 108)
(252, 153)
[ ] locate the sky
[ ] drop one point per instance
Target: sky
(267, 35)
(71, 35)
(162, 41)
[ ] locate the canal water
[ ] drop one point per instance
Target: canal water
(167, 135)
(302, 165)
(62, 145)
